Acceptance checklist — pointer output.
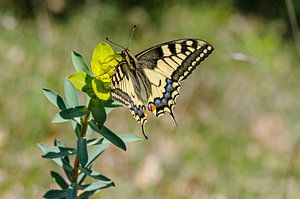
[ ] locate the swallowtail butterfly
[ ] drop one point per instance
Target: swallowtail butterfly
(151, 79)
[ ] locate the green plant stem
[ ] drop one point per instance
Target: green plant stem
(84, 123)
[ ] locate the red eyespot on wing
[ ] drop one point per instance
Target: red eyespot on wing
(145, 111)
(151, 107)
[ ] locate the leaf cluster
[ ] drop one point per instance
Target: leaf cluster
(87, 120)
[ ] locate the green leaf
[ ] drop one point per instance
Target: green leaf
(70, 94)
(88, 88)
(89, 133)
(97, 176)
(82, 176)
(59, 180)
(46, 149)
(86, 194)
(108, 134)
(72, 191)
(77, 128)
(54, 98)
(98, 111)
(68, 169)
(111, 104)
(70, 113)
(82, 151)
(58, 142)
(55, 193)
(94, 154)
(57, 152)
(95, 186)
(83, 82)
(58, 119)
(95, 141)
(127, 138)
(79, 63)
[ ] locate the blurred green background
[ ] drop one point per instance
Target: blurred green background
(238, 113)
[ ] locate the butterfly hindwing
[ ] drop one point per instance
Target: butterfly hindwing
(123, 90)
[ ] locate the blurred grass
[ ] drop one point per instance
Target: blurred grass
(237, 114)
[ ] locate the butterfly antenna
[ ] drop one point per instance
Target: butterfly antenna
(144, 133)
(132, 31)
(114, 43)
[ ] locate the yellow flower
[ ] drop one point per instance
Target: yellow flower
(103, 64)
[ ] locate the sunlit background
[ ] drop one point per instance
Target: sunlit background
(238, 113)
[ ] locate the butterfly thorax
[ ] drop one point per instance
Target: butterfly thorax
(135, 72)
(129, 59)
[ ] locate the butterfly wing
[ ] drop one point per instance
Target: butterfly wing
(123, 90)
(166, 65)
(157, 73)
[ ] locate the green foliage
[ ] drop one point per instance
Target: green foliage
(108, 134)
(79, 63)
(84, 118)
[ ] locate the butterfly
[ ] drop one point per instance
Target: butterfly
(152, 79)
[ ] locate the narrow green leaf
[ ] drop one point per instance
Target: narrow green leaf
(46, 149)
(68, 169)
(72, 192)
(58, 142)
(77, 128)
(73, 112)
(59, 180)
(58, 119)
(89, 133)
(82, 151)
(95, 186)
(97, 176)
(111, 104)
(98, 111)
(70, 94)
(97, 150)
(127, 138)
(79, 63)
(95, 141)
(108, 134)
(63, 151)
(86, 194)
(88, 87)
(54, 98)
(82, 176)
(55, 193)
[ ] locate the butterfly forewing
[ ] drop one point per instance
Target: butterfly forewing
(155, 76)
(123, 90)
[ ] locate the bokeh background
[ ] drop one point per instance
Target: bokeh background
(238, 114)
